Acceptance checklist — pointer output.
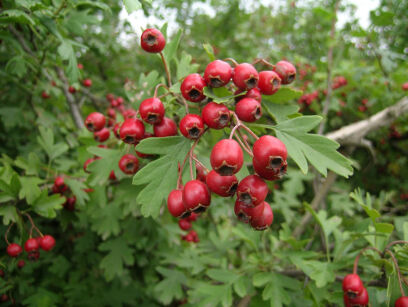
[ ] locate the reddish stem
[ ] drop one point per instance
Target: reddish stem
(396, 242)
(355, 267)
(243, 146)
(397, 269)
(33, 226)
(159, 86)
(199, 162)
(263, 61)
(232, 61)
(166, 68)
(7, 231)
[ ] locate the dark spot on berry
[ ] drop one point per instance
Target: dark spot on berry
(243, 217)
(245, 198)
(223, 119)
(231, 191)
(251, 82)
(216, 82)
(129, 139)
(194, 132)
(185, 215)
(226, 170)
(283, 170)
(275, 83)
(152, 118)
(129, 166)
(351, 294)
(258, 113)
(200, 209)
(151, 40)
(261, 227)
(194, 94)
(291, 78)
(276, 162)
(90, 126)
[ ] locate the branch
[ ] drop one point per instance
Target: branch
(21, 40)
(96, 101)
(354, 134)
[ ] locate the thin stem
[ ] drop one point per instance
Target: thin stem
(396, 242)
(179, 177)
(233, 131)
(355, 267)
(166, 68)
(242, 136)
(191, 165)
(33, 225)
(159, 86)
(243, 146)
(238, 122)
(263, 61)
(7, 231)
(199, 162)
(232, 61)
(397, 269)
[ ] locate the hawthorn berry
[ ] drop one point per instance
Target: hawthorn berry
(4, 298)
(116, 130)
(261, 219)
(286, 71)
(87, 83)
(120, 100)
(45, 95)
(201, 172)
(184, 224)
(129, 113)
(70, 203)
(72, 89)
(252, 190)
(14, 249)
(270, 152)
(245, 76)
(175, 204)
(192, 88)
(269, 82)
(112, 175)
(1, 273)
(111, 113)
(47, 242)
(152, 40)
(80, 66)
(59, 185)
(95, 121)
(227, 157)
(110, 97)
(129, 164)
(241, 211)
(405, 86)
(196, 196)
(132, 130)
(114, 103)
(218, 73)
(191, 126)
(361, 299)
(152, 110)
(216, 115)
(248, 110)
(20, 263)
(34, 255)
(102, 135)
(254, 93)
(166, 128)
(267, 173)
(193, 217)
(352, 285)
(402, 302)
(221, 185)
(31, 245)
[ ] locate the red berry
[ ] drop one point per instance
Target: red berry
(252, 191)
(114, 103)
(222, 185)
(216, 115)
(270, 152)
(119, 100)
(45, 95)
(80, 66)
(361, 299)
(31, 245)
(253, 93)
(245, 76)
(95, 121)
(87, 83)
(192, 126)
(1, 273)
(196, 196)
(14, 249)
(112, 175)
(72, 90)
(201, 172)
(166, 128)
(261, 219)
(102, 135)
(193, 217)
(60, 186)
(364, 101)
(218, 73)
(268, 173)
(20, 264)
(34, 255)
(192, 88)
(286, 71)
(362, 108)
(402, 302)
(269, 82)
(132, 131)
(129, 164)
(111, 113)
(184, 224)
(227, 157)
(346, 300)
(4, 298)
(189, 237)
(175, 204)
(87, 162)
(116, 130)
(129, 113)
(110, 97)
(47, 242)
(405, 86)
(152, 40)
(248, 110)
(152, 110)
(352, 285)
(70, 203)
(242, 211)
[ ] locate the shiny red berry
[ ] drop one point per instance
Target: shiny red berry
(102, 135)
(119, 100)
(245, 76)
(152, 110)
(111, 113)
(166, 128)
(72, 90)
(192, 88)
(31, 245)
(132, 130)
(352, 285)
(129, 113)
(193, 217)
(80, 66)
(402, 302)
(59, 185)
(268, 173)
(227, 157)
(112, 175)
(191, 126)
(87, 83)
(95, 121)
(110, 97)
(286, 71)
(253, 93)
(47, 242)
(152, 40)
(405, 86)
(216, 115)
(252, 190)
(196, 196)
(14, 249)
(361, 299)
(20, 264)
(222, 185)
(45, 95)
(269, 82)
(218, 73)
(242, 211)
(261, 219)
(175, 204)
(184, 224)
(248, 110)
(129, 164)
(270, 152)
(70, 203)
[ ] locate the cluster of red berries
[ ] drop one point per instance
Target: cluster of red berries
(31, 246)
(186, 224)
(338, 82)
(59, 187)
(363, 107)
(355, 294)
(307, 99)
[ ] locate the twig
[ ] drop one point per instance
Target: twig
(396, 242)
(7, 231)
(355, 266)
(397, 269)
(166, 68)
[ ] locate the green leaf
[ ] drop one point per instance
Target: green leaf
(321, 272)
(43, 297)
(170, 50)
(77, 187)
(66, 51)
(285, 94)
(31, 166)
(279, 112)
(93, 4)
(220, 95)
(46, 205)
(185, 67)
(9, 214)
(101, 168)
(17, 16)
(17, 66)
(384, 227)
(240, 286)
(210, 52)
(30, 189)
(225, 276)
(170, 287)
(358, 197)
(132, 5)
(173, 150)
(106, 222)
(120, 254)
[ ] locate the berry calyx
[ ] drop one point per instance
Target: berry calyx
(95, 121)
(132, 131)
(31, 245)
(167, 127)
(269, 82)
(248, 110)
(14, 249)
(245, 76)
(252, 190)
(227, 157)
(191, 126)
(361, 299)
(102, 135)
(222, 185)
(286, 71)
(152, 110)
(129, 164)
(270, 152)
(216, 115)
(196, 196)
(184, 224)
(192, 88)
(152, 40)
(87, 83)
(262, 218)
(352, 285)
(269, 174)
(402, 302)
(218, 73)
(175, 204)
(47, 242)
